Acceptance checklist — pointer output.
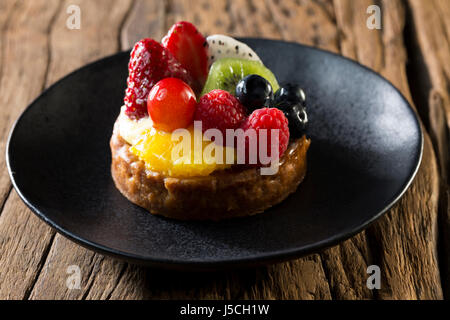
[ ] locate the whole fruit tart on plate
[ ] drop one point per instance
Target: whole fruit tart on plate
(206, 132)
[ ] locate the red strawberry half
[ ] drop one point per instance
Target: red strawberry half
(150, 62)
(190, 48)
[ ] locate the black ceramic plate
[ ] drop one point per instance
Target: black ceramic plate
(366, 149)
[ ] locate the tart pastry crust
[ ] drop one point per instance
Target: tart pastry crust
(236, 192)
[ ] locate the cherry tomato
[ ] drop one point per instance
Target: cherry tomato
(171, 104)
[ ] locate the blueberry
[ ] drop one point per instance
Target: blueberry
(298, 121)
(291, 99)
(288, 95)
(254, 92)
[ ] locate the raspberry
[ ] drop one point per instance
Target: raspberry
(219, 110)
(149, 63)
(267, 118)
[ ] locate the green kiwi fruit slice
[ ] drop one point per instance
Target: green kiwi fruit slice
(227, 72)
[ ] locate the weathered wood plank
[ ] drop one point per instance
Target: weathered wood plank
(307, 22)
(52, 281)
(273, 282)
(24, 56)
(98, 37)
(403, 243)
(70, 49)
(13, 102)
(6, 9)
(24, 243)
(432, 31)
(145, 20)
(406, 237)
(211, 15)
(346, 268)
(430, 35)
(413, 222)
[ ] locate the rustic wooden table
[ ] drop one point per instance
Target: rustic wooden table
(410, 244)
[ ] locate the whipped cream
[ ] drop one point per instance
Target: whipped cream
(131, 130)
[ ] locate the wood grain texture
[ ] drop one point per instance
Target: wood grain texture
(71, 49)
(397, 252)
(23, 238)
(34, 261)
(5, 22)
(145, 20)
(430, 37)
(307, 22)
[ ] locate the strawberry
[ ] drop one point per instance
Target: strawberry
(190, 48)
(150, 62)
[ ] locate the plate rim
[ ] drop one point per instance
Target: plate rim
(228, 263)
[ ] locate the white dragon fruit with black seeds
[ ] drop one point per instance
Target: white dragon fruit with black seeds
(221, 46)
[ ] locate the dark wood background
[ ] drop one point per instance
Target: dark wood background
(410, 243)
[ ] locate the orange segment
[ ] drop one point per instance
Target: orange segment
(179, 156)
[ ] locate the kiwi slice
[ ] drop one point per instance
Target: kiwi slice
(227, 72)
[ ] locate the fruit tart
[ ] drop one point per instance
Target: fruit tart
(206, 132)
